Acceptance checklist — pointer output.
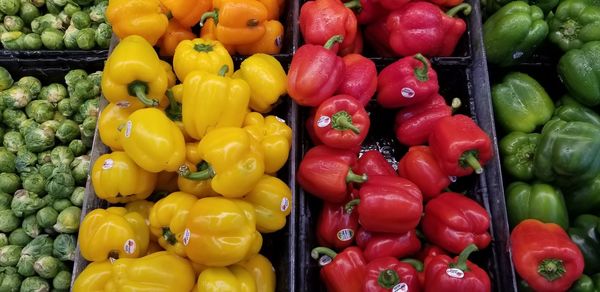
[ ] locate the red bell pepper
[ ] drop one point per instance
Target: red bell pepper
(459, 145)
(393, 4)
(377, 35)
(322, 19)
(372, 162)
(544, 256)
(453, 221)
(388, 204)
(336, 228)
(444, 274)
(423, 27)
(360, 78)
(356, 47)
(341, 122)
(420, 166)
(446, 3)
(377, 245)
(413, 123)
(315, 73)
(410, 80)
(390, 274)
(428, 252)
(343, 272)
(369, 11)
(325, 173)
(419, 266)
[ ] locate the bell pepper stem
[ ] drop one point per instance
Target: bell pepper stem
(139, 89)
(205, 174)
(353, 177)
(169, 15)
(113, 254)
(317, 251)
(455, 104)
(223, 70)
(469, 159)
(388, 279)
(210, 14)
(342, 121)
(420, 235)
(203, 47)
(334, 39)
(350, 205)
(354, 4)
(421, 73)
(464, 7)
(551, 269)
(417, 264)
(174, 111)
(461, 263)
(168, 235)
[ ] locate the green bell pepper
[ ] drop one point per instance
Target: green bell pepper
(579, 70)
(585, 235)
(521, 103)
(567, 153)
(574, 23)
(512, 33)
(571, 113)
(517, 150)
(536, 201)
(546, 5)
(584, 198)
(586, 283)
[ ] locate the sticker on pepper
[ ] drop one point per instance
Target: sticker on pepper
(455, 273)
(452, 178)
(108, 164)
(129, 246)
(408, 92)
(186, 236)
(128, 129)
(345, 234)
(279, 119)
(123, 104)
(285, 204)
(401, 287)
(324, 260)
(323, 121)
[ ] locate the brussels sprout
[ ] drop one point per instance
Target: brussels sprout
(30, 226)
(3, 240)
(46, 217)
(32, 41)
(70, 37)
(8, 221)
(35, 183)
(52, 8)
(13, 140)
(9, 255)
(78, 118)
(62, 155)
(49, 200)
(28, 12)
(13, 118)
(19, 237)
(103, 35)
(16, 97)
(46, 21)
(2, 132)
(10, 7)
(76, 146)
(64, 107)
(74, 76)
(67, 131)
(35, 284)
(83, 2)
(68, 220)
(77, 196)
(53, 93)
(86, 39)
(5, 200)
(2, 28)
(44, 157)
(64, 247)
(25, 266)
(88, 141)
(98, 12)
(25, 159)
(81, 167)
(90, 108)
(39, 139)
(71, 8)
(61, 204)
(61, 183)
(40, 110)
(7, 161)
(60, 3)
(25, 203)
(11, 280)
(13, 23)
(88, 127)
(39, 246)
(38, 3)
(83, 88)
(27, 125)
(12, 40)
(52, 39)
(33, 84)
(46, 169)
(62, 280)
(80, 20)
(9, 182)
(50, 125)
(6, 80)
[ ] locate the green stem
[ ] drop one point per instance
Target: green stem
(551, 269)
(342, 121)
(456, 103)
(334, 39)
(174, 111)
(464, 7)
(353, 177)
(317, 251)
(354, 4)
(417, 264)
(350, 205)
(421, 73)
(169, 236)
(210, 14)
(139, 90)
(185, 172)
(388, 279)
(469, 159)
(169, 15)
(203, 48)
(223, 70)
(461, 264)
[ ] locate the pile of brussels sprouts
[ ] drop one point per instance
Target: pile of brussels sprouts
(54, 24)
(46, 133)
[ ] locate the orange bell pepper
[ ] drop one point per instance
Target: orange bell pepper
(270, 43)
(238, 22)
(208, 32)
(176, 32)
(186, 12)
(273, 8)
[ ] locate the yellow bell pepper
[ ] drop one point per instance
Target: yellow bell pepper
(234, 279)
(143, 208)
(192, 153)
(111, 117)
(270, 43)
(198, 188)
(272, 200)
(267, 81)
(235, 163)
(213, 101)
(93, 278)
(113, 233)
(177, 91)
(201, 54)
(168, 218)
(274, 136)
(171, 78)
(153, 247)
(133, 74)
(221, 232)
(137, 17)
(263, 272)
(117, 179)
(166, 182)
(153, 141)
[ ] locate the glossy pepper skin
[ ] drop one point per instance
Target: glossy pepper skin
(322, 19)
(377, 34)
(272, 200)
(577, 112)
(188, 13)
(536, 201)
(459, 145)
(336, 228)
(513, 33)
(341, 121)
(388, 273)
(414, 123)
(113, 233)
(175, 33)
(270, 43)
(201, 54)
(579, 71)
(263, 272)
(237, 22)
(274, 137)
(423, 27)
(585, 233)
(360, 78)
(234, 278)
(453, 221)
(221, 232)
(315, 73)
(583, 199)
(198, 188)
(213, 101)
(133, 75)
(373, 162)
(267, 80)
(138, 17)
(94, 277)
(544, 256)
(109, 120)
(379, 245)
(458, 274)
(521, 103)
(153, 141)
(573, 24)
(586, 283)
(168, 218)
(325, 173)
(118, 179)
(517, 150)
(380, 199)
(408, 81)
(344, 272)
(420, 167)
(369, 12)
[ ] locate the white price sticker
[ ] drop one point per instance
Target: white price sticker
(108, 164)
(323, 121)
(285, 204)
(186, 236)
(407, 92)
(455, 273)
(401, 287)
(345, 234)
(129, 246)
